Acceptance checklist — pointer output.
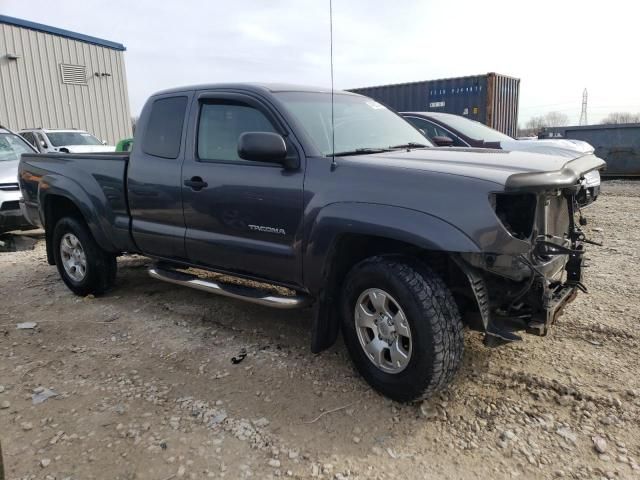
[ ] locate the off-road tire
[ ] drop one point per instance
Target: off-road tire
(101, 265)
(432, 314)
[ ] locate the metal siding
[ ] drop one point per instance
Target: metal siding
(32, 93)
(495, 96)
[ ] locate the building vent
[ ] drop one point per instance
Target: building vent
(73, 74)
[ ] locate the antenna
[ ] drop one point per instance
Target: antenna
(333, 131)
(583, 113)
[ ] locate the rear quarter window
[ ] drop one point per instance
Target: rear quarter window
(164, 127)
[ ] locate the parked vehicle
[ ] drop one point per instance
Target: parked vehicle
(11, 147)
(445, 129)
(124, 145)
(65, 141)
(396, 244)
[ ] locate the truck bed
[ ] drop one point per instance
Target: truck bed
(87, 176)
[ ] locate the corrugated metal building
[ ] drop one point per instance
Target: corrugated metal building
(54, 78)
(491, 98)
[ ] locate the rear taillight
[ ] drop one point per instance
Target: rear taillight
(516, 212)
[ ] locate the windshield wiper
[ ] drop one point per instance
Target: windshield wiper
(410, 145)
(359, 151)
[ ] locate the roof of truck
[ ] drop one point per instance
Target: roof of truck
(256, 87)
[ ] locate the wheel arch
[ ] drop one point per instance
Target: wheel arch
(338, 242)
(57, 203)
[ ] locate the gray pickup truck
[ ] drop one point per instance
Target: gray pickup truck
(395, 243)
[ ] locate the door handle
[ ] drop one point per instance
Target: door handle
(196, 183)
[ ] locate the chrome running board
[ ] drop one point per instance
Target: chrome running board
(239, 292)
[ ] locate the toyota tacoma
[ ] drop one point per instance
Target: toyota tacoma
(395, 243)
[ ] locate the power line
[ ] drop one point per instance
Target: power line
(583, 113)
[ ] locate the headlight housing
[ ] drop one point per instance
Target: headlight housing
(516, 212)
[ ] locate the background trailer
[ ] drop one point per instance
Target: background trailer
(54, 78)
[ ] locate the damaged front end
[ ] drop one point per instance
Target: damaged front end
(526, 284)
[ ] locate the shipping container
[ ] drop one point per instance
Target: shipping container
(491, 99)
(618, 145)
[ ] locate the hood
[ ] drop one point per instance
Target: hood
(495, 166)
(9, 171)
(561, 147)
(88, 148)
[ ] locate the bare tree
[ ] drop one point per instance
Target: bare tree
(556, 119)
(551, 119)
(621, 117)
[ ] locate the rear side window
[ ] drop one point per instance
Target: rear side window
(164, 128)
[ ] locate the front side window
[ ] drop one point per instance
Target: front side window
(360, 123)
(221, 125)
(474, 130)
(61, 139)
(12, 146)
(164, 128)
(432, 130)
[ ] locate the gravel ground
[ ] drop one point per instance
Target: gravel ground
(145, 387)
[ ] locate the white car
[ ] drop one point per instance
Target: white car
(11, 147)
(448, 130)
(47, 140)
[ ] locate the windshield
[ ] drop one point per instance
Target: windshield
(59, 139)
(360, 123)
(12, 146)
(472, 129)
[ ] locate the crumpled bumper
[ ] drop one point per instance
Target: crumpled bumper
(509, 305)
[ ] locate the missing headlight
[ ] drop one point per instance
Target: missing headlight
(516, 212)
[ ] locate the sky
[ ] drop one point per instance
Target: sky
(556, 47)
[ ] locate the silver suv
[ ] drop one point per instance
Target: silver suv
(11, 147)
(47, 140)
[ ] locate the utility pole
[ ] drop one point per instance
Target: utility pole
(583, 113)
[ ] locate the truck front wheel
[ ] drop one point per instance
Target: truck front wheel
(84, 267)
(401, 326)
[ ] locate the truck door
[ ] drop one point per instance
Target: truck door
(241, 216)
(154, 184)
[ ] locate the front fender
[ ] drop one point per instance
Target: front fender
(395, 223)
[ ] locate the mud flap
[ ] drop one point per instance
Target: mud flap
(326, 323)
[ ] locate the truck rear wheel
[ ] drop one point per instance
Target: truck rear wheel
(84, 267)
(401, 326)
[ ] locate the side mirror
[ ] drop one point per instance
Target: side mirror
(442, 141)
(264, 147)
(43, 144)
(104, 142)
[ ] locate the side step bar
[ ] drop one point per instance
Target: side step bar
(239, 292)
